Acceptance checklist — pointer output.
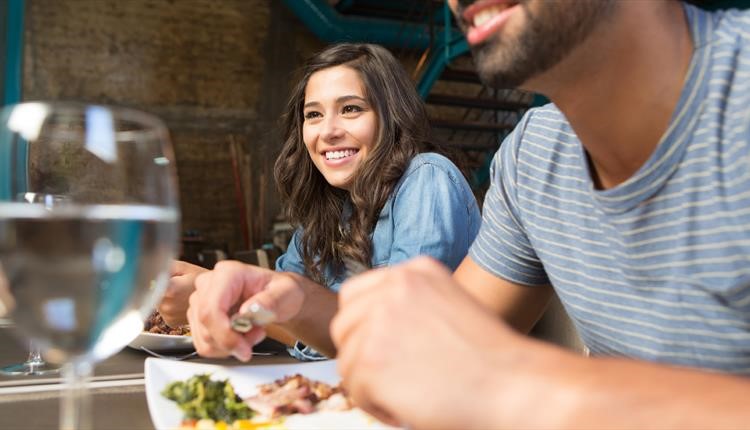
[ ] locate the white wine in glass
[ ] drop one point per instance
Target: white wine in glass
(82, 276)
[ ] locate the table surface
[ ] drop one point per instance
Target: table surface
(118, 392)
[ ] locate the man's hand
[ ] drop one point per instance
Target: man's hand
(230, 288)
(416, 350)
(174, 304)
(411, 342)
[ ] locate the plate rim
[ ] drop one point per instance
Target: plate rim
(171, 342)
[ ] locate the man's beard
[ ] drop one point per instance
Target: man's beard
(547, 37)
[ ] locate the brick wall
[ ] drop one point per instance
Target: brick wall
(217, 72)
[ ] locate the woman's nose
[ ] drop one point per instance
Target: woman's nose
(331, 128)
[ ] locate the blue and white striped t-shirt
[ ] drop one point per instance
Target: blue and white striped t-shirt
(658, 267)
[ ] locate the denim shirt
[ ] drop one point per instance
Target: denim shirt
(432, 211)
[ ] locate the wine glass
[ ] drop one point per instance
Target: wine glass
(33, 366)
(81, 277)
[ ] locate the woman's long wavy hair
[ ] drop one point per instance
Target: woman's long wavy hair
(316, 206)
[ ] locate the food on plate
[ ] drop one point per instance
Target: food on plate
(297, 395)
(200, 397)
(213, 404)
(155, 324)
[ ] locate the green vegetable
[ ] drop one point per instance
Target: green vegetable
(200, 397)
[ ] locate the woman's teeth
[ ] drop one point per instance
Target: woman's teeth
(485, 15)
(335, 155)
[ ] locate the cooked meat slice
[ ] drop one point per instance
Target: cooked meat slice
(155, 324)
(296, 394)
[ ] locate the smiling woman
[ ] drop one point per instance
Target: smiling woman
(356, 176)
(349, 168)
(358, 182)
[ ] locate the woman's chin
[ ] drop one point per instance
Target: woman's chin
(341, 181)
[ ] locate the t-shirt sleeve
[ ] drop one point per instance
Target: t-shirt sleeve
(435, 214)
(502, 246)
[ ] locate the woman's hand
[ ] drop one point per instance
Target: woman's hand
(230, 288)
(174, 305)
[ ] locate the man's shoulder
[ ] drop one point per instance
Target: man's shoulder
(721, 27)
(734, 21)
(542, 128)
(548, 116)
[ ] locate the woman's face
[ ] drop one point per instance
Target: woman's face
(339, 125)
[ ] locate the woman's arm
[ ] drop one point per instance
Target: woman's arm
(174, 304)
(434, 213)
(320, 304)
(311, 324)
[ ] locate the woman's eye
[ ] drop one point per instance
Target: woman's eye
(351, 109)
(312, 115)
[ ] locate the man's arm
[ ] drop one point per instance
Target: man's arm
(599, 393)
(302, 307)
(520, 306)
(604, 392)
(400, 332)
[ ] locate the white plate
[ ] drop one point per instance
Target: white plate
(167, 416)
(162, 342)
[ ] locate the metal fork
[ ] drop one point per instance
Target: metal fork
(170, 357)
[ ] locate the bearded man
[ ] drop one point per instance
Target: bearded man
(628, 196)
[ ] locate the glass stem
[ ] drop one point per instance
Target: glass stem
(35, 355)
(75, 403)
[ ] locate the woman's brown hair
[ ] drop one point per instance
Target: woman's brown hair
(316, 206)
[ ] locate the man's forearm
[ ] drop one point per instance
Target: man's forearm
(579, 392)
(278, 333)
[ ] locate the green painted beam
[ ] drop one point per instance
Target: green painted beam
(451, 46)
(13, 46)
(331, 26)
(12, 33)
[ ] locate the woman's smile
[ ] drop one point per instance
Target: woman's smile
(339, 157)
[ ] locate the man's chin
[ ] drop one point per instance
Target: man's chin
(491, 67)
(493, 76)
(504, 67)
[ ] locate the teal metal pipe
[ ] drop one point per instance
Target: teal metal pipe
(343, 5)
(444, 54)
(13, 28)
(329, 25)
(450, 48)
(13, 51)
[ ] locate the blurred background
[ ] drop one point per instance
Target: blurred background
(219, 72)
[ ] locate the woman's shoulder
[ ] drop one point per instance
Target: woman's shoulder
(430, 173)
(435, 160)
